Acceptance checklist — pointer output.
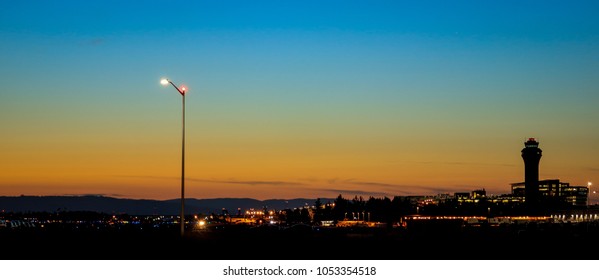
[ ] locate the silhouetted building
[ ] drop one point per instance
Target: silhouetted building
(531, 154)
(461, 196)
(474, 196)
(552, 192)
(478, 194)
(507, 199)
(575, 195)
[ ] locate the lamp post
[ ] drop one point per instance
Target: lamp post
(182, 92)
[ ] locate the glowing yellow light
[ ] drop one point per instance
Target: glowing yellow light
(164, 81)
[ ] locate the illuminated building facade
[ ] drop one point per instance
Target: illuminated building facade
(474, 196)
(553, 191)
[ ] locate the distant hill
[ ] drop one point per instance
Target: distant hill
(113, 205)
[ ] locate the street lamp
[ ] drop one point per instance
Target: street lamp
(182, 92)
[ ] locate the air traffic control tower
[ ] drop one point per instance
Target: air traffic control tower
(531, 154)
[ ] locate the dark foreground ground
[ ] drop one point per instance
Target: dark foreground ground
(417, 242)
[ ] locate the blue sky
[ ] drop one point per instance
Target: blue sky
(412, 94)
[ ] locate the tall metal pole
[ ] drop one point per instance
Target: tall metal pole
(182, 92)
(183, 170)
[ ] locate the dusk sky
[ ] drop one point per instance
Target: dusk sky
(295, 99)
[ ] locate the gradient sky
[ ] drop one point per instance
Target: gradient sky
(292, 99)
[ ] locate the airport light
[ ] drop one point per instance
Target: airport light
(589, 184)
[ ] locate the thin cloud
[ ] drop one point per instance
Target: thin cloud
(252, 183)
(388, 188)
(238, 182)
(393, 189)
(147, 177)
(309, 179)
(354, 192)
(339, 181)
(95, 194)
(397, 189)
(464, 163)
(375, 184)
